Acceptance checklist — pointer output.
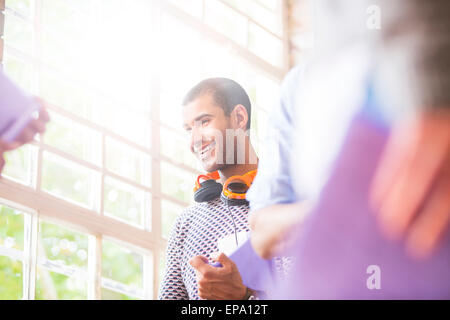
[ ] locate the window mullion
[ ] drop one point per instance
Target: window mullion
(38, 57)
(156, 162)
(29, 256)
(149, 265)
(95, 267)
(32, 254)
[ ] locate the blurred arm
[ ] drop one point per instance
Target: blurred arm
(272, 197)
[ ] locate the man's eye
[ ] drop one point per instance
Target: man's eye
(205, 122)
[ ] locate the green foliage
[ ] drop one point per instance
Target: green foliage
(63, 245)
(11, 227)
(121, 265)
(112, 295)
(59, 287)
(10, 279)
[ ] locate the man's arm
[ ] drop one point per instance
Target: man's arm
(172, 286)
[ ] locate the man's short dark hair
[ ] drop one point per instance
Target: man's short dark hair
(226, 93)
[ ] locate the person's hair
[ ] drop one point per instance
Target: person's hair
(226, 93)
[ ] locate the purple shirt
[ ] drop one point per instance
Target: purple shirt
(16, 109)
(340, 245)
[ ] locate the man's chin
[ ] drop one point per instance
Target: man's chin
(211, 167)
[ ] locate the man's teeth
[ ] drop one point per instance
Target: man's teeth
(208, 148)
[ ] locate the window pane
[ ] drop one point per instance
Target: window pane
(122, 52)
(18, 34)
(193, 7)
(63, 245)
(19, 71)
(265, 45)
(126, 203)
(55, 286)
(264, 13)
(113, 295)
(11, 228)
(169, 212)
(69, 181)
(11, 274)
(128, 162)
(177, 183)
(73, 138)
(176, 147)
(259, 123)
(272, 5)
(170, 110)
(122, 120)
(181, 71)
(20, 163)
(56, 50)
(22, 6)
(61, 249)
(267, 92)
(65, 95)
(57, 13)
(122, 265)
(226, 20)
(218, 60)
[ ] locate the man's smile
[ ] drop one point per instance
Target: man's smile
(206, 151)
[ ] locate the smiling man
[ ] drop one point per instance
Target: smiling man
(216, 115)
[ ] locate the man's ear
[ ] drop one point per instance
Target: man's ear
(240, 117)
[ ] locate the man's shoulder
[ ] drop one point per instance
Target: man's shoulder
(200, 208)
(214, 208)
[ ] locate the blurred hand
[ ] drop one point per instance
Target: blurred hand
(222, 283)
(35, 126)
(411, 188)
(274, 228)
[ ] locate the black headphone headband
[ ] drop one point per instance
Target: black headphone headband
(211, 189)
(232, 202)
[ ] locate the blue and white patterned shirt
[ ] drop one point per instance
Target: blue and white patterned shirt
(196, 231)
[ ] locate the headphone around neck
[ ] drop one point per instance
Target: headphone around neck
(232, 193)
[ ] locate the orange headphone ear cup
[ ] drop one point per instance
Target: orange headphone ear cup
(208, 191)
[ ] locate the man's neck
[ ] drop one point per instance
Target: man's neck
(240, 169)
(236, 170)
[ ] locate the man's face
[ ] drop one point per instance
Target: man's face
(206, 124)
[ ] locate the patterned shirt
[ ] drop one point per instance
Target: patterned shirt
(196, 232)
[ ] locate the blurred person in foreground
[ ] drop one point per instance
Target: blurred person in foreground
(27, 134)
(386, 208)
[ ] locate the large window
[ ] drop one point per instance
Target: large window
(86, 209)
